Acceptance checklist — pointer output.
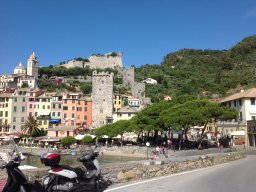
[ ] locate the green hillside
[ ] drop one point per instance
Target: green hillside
(209, 73)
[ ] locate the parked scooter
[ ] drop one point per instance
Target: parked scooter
(66, 178)
(10, 160)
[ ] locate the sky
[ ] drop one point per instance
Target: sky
(144, 30)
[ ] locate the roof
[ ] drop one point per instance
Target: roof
(242, 94)
(127, 109)
(5, 94)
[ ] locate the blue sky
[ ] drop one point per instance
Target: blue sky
(145, 30)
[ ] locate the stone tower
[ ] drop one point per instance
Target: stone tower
(102, 98)
(32, 66)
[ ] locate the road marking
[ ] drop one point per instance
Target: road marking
(163, 177)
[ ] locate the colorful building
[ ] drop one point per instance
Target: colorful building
(19, 110)
(77, 110)
(5, 112)
(56, 110)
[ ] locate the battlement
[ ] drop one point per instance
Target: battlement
(102, 74)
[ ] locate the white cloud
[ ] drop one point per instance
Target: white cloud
(251, 13)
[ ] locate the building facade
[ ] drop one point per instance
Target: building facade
(245, 103)
(5, 112)
(19, 110)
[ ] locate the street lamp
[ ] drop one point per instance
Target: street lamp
(147, 144)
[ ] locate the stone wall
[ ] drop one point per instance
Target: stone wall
(123, 172)
(147, 169)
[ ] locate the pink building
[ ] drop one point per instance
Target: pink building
(31, 99)
(62, 131)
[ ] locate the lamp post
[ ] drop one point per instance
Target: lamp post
(147, 144)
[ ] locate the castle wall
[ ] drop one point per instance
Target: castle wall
(97, 61)
(128, 76)
(138, 90)
(102, 98)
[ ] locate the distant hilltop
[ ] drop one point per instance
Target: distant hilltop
(101, 61)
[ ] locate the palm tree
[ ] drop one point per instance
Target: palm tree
(31, 127)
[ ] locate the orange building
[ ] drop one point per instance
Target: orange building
(77, 110)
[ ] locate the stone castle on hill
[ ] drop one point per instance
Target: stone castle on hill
(108, 60)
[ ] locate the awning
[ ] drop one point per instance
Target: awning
(55, 120)
(238, 133)
(80, 137)
(43, 113)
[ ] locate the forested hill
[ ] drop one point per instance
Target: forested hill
(209, 73)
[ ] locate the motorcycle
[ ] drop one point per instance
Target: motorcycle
(78, 179)
(10, 160)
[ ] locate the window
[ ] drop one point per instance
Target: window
(58, 114)
(36, 114)
(40, 122)
(78, 116)
(85, 117)
(65, 115)
(85, 103)
(15, 109)
(241, 116)
(30, 114)
(65, 101)
(65, 108)
(85, 109)
(252, 101)
(15, 99)
(23, 108)
(45, 122)
(22, 119)
(43, 106)
(73, 101)
(48, 106)
(1, 113)
(59, 106)
(79, 108)
(23, 99)
(73, 115)
(253, 118)
(53, 106)
(240, 102)
(30, 106)
(73, 108)
(101, 110)
(6, 104)
(234, 103)
(14, 119)
(13, 127)
(129, 115)
(53, 114)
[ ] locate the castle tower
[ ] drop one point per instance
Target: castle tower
(32, 66)
(102, 98)
(128, 76)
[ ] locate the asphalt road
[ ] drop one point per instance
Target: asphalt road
(236, 176)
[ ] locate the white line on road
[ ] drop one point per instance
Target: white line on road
(158, 178)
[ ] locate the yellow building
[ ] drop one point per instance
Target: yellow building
(119, 101)
(5, 112)
(43, 110)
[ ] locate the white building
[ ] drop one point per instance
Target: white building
(245, 103)
(125, 113)
(150, 81)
